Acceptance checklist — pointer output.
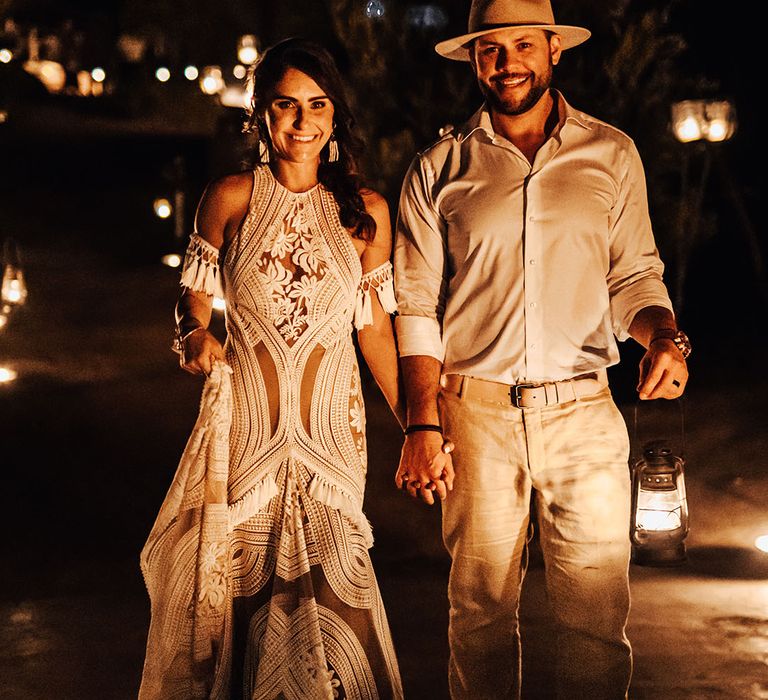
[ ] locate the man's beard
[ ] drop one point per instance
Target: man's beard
(513, 107)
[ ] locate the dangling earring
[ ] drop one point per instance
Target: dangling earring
(333, 149)
(263, 152)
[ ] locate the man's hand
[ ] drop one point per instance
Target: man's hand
(663, 372)
(425, 466)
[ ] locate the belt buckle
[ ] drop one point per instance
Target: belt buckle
(514, 393)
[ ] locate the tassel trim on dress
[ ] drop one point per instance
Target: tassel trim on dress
(381, 280)
(200, 272)
(333, 497)
(252, 502)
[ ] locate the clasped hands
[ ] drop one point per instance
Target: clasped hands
(426, 466)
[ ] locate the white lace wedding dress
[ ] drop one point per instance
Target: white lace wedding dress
(257, 567)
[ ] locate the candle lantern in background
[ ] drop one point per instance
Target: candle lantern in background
(659, 507)
(710, 120)
(13, 291)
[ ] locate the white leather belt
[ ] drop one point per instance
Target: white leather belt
(526, 395)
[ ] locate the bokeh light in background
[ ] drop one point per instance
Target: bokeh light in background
(162, 208)
(762, 543)
(247, 49)
(211, 80)
(6, 56)
(239, 71)
(7, 375)
(191, 73)
(171, 260)
(712, 120)
(99, 75)
(375, 9)
(163, 74)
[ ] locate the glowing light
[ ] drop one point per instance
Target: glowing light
(7, 375)
(162, 207)
(247, 49)
(658, 510)
(219, 304)
(236, 97)
(172, 260)
(211, 81)
(717, 130)
(3, 116)
(3, 320)
(99, 75)
(713, 120)
(688, 130)
(6, 55)
(191, 73)
(14, 288)
(163, 74)
(375, 9)
(762, 543)
(239, 71)
(84, 83)
(49, 73)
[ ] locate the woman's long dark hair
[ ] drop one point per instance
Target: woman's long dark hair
(340, 177)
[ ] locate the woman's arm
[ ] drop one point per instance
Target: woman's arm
(222, 208)
(377, 340)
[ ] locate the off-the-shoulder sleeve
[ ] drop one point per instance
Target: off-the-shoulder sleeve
(200, 272)
(380, 279)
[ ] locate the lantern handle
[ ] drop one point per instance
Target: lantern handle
(680, 407)
(11, 252)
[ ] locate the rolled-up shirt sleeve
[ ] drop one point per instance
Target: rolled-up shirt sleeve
(420, 263)
(635, 275)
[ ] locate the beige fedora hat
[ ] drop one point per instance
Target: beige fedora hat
(486, 16)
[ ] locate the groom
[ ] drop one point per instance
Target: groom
(524, 250)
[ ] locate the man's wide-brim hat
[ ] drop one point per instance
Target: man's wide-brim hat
(486, 16)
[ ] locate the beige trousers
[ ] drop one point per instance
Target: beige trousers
(572, 459)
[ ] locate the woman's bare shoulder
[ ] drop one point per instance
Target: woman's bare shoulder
(223, 206)
(376, 205)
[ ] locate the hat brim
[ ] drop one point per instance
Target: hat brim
(457, 49)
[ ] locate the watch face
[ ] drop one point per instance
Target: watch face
(683, 344)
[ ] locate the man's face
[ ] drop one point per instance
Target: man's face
(514, 67)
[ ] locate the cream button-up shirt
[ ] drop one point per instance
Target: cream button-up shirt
(512, 271)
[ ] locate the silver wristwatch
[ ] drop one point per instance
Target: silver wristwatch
(680, 340)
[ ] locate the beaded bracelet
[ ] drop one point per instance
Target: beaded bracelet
(423, 427)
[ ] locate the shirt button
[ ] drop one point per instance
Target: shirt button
(532, 261)
(531, 218)
(533, 306)
(533, 346)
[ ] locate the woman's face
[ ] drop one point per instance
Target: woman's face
(299, 118)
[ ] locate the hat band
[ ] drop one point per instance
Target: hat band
(508, 25)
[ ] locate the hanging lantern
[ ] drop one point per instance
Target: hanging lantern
(13, 291)
(659, 507)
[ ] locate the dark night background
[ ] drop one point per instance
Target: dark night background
(91, 432)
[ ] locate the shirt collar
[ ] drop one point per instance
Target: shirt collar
(481, 120)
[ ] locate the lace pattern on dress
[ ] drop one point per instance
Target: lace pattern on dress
(380, 279)
(200, 272)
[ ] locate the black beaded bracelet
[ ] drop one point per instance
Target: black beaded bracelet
(423, 427)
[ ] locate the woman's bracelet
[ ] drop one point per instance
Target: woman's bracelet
(179, 337)
(423, 427)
